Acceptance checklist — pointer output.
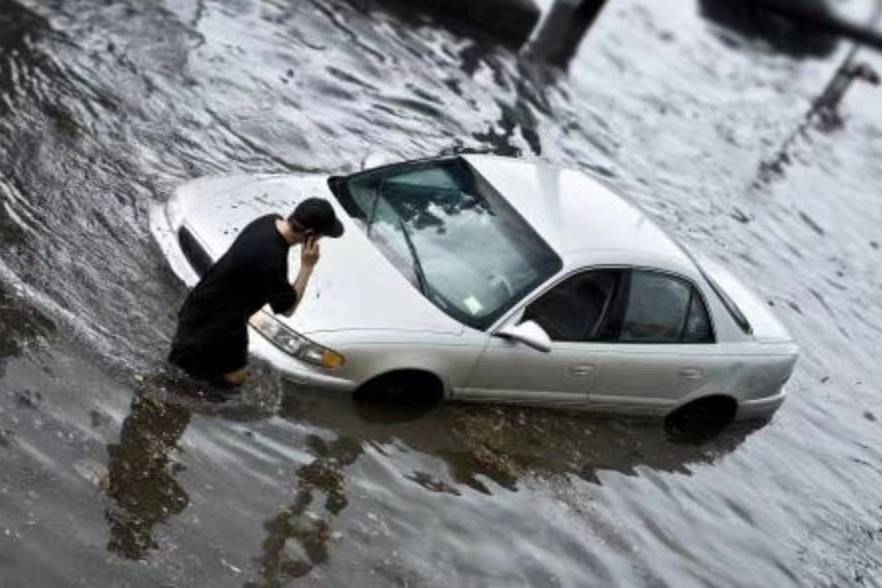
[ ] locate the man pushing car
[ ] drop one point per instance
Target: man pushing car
(211, 342)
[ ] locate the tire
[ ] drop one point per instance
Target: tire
(701, 419)
(409, 392)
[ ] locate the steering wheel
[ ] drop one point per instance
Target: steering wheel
(496, 278)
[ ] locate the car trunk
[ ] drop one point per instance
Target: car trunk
(764, 325)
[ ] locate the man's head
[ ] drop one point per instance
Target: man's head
(315, 217)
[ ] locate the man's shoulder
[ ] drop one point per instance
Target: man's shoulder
(261, 227)
(267, 220)
(259, 238)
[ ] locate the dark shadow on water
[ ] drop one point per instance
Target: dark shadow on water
(503, 443)
(387, 411)
(143, 464)
(294, 522)
(486, 448)
(141, 475)
(20, 59)
(751, 21)
(520, 115)
(20, 324)
(494, 22)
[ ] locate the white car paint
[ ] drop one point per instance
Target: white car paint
(360, 305)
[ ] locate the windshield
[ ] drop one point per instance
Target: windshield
(451, 234)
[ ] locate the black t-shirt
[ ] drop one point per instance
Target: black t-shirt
(253, 272)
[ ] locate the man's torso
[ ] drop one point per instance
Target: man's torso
(236, 286)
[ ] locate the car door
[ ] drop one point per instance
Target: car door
(657, 345)
(570, 313)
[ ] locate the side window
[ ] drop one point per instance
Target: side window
(656, 308)
(575, 309)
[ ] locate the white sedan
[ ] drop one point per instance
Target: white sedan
(490, 279)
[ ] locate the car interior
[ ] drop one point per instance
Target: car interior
(625, 306)
(573, 310)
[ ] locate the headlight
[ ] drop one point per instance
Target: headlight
(293, 343)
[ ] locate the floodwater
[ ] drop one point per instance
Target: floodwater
(111, 474)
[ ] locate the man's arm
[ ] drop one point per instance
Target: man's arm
(309, 257)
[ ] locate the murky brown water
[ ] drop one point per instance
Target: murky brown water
(110, 474)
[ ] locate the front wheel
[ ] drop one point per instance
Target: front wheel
(399, 395)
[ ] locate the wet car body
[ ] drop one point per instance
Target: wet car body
(612, 315)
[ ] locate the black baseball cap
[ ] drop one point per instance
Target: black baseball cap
(318, 214)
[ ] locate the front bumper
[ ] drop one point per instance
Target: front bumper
(761, 407)
(293, 369)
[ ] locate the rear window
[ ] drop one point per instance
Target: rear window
(730, 305)
(698, 325)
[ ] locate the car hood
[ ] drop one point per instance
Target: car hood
(354, 287)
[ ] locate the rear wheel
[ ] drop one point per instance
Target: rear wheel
(701, 419)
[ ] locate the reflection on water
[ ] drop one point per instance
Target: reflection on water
(141, 475)
(19, 29)
(297, 538)
(783, 34)
(503, 444)
(19, 324)
(479, 445)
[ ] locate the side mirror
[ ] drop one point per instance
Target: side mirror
(529, 333)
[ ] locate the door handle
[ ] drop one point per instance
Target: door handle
(581, 370)
(691, 373)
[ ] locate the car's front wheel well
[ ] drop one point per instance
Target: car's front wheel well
(702, 418)
(406, 386)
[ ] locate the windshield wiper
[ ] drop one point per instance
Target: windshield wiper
(370, 223)
(417, 265)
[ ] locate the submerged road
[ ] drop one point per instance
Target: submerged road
(110, 474)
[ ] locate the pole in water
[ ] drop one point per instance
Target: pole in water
(562, 30)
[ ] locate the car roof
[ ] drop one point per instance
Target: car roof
(577, 214)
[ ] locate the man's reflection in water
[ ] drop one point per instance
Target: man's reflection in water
(282, 559)
(141, 475)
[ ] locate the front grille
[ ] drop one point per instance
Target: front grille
(199, 259)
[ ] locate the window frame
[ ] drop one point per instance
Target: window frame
(517, 314)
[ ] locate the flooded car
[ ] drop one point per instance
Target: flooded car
(491, 279)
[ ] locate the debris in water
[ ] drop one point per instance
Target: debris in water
(7, 437)
(93, 472)
(98, 418)
(433, 484)
(811, 223)
(28, 398)
(231, 567)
